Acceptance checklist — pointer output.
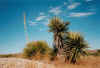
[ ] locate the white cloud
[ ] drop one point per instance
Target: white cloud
(40, 29)
(81, 14)
(46, 22)
(42, 13)
(88, 0)
(31, 23)
(56, 11)
(65, 3)
(73, 5)
(41, 17)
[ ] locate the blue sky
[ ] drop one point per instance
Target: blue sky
(83, 15)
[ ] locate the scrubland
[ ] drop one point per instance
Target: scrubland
(86, 62)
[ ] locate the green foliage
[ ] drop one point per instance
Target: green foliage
(58, 27)
(98, 50)
(75, 46)
(34, 48)
(71, 44)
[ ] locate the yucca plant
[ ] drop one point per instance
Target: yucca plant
(75, 46)
(58, 27)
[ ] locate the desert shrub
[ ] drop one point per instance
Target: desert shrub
(97, 53)
(36, 48)
(53, 53)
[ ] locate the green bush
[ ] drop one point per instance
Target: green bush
(36, 47)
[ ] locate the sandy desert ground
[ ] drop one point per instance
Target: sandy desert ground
(89, 62)
(23, 63)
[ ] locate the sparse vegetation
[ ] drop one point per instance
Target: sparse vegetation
(86, 62)
(70, 44)
(58, 27)
(75, 46)
(36, 48)
(53, 53)
(96, 53)
(67, 46)
(10, 55)
(6, 55)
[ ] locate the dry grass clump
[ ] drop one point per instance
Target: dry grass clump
(86, 62)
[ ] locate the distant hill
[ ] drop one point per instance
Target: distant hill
(10, 55)
(92, 51)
